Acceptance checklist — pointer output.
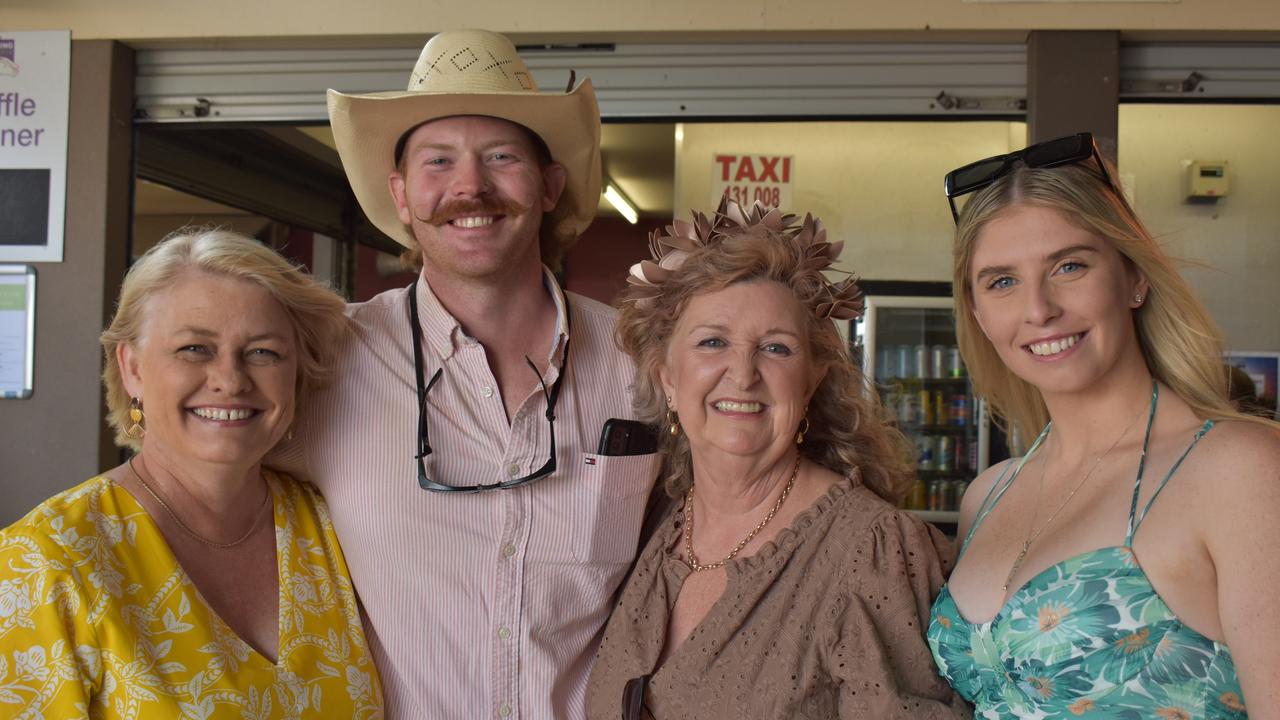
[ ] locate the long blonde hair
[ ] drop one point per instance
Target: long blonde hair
(316, 313)
(1180, 341)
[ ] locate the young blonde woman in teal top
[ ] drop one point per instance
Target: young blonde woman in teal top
(1128, 566)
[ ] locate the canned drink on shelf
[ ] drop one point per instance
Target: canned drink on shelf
(925, 401)
(948, 496)
(938, 494)
(958, 488)
(960, 409)
(955, 364)
(961, 462)
(906, 364)
(940, 408)
(888, 363)
(901, 403)
(945, 453)
(922, 361)
(924, 453)
(938, 361)
(918, 498)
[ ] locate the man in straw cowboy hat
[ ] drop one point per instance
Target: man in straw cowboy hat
(485, 541)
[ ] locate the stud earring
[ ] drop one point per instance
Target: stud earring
(137, 430)
(1137, 297)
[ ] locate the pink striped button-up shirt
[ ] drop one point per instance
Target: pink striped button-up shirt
(477, 604)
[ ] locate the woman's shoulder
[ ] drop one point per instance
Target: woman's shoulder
(303, 503)
(863, 506)
(287, 484)
(295, 492)
(1244, 446)
(984, 482)
(977, 491)
(876, 526)
(70, 508)
(1243, 454)
(65, 525)
(884, 548)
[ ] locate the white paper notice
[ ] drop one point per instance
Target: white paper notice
(17, 292)
(35, 92)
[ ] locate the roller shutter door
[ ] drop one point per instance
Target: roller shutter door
(672, 81)
(1165, 72)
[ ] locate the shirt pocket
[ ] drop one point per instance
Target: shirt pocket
(612, 493)
(591, 511)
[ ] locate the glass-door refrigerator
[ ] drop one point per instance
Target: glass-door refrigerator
(907, 347)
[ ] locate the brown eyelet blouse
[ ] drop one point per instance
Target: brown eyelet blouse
(825, 621)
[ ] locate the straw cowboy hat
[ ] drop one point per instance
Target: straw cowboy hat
(467, 72)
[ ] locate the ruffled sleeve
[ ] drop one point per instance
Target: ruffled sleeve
(879, 656)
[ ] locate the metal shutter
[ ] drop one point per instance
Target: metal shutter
(1200, 71)
(673, 81)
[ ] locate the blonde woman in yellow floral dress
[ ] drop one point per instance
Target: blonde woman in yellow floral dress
(191, 582)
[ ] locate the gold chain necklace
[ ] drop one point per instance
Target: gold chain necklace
(221, 546)
(688, 527)
(1044, 466)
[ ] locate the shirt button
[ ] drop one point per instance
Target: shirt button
(513, 470)
(508, 550)
(504, 633)
(505, 710)
(486, 391)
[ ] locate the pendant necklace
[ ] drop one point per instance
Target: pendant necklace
(1033, 536)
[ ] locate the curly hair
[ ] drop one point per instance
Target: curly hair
(847, 429)
(316, 313)
(1180, 342)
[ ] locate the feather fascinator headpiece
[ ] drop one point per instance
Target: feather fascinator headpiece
(675, 244)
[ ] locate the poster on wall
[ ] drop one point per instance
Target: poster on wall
(35, 91)
(1263, 368)
(17, 330)
(748, 179)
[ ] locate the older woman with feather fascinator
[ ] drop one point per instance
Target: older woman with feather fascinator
(781, 582)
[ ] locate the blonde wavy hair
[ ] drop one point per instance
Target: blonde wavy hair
(316, 313)
(847, 428)
(1180, 341)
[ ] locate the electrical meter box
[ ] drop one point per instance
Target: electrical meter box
(1206, 180)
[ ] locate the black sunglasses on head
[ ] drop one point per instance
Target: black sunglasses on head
(424, 446)
(1048, 154)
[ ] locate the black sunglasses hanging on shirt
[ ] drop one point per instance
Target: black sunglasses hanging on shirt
(424, 446)
(633, 698)
(1048, 154)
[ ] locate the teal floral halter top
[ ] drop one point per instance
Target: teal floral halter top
(1088, 637)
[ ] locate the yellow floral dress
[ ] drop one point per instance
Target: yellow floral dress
(97, 619)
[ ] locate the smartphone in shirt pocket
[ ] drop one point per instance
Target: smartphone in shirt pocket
(595, 513)
(626, 437)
